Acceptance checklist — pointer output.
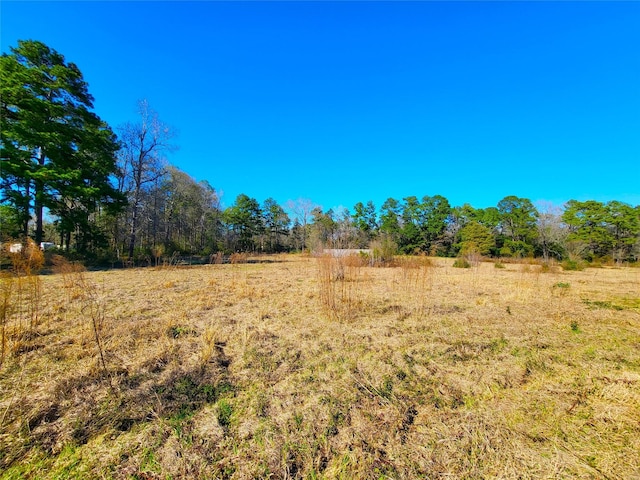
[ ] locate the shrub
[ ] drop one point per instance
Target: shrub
(461, 262)
(383, 252)
(29, 260)
(239, 258)
(572, 265)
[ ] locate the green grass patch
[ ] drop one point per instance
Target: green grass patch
(461, 263)
(225, 411)
(602, 304)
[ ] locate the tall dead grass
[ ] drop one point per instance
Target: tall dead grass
(241, 371)
(6, 291)
(340, 282)
(21, 297)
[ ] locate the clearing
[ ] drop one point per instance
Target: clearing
(298, 367)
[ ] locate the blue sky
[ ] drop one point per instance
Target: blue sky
(341, 102)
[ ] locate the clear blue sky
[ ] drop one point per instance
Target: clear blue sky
(341, 102)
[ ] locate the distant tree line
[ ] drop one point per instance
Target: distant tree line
(67, 177)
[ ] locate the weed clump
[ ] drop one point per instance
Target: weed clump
(338, 280)
(461, 262)
(573, 265)
(236, 258)
(383, 253)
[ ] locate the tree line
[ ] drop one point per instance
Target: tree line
(68, 178)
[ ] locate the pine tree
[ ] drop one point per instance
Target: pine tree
(56, 154)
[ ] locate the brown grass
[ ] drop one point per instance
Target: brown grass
(323, 368)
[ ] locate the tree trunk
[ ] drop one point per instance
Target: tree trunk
(39, 210)
(134, 228)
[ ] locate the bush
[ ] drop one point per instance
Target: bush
(383, 252)
(239, 257)
(461, 262)
(572, 265)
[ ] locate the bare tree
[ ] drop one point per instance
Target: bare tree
(301, 210)
(142, 161)
(552, 233)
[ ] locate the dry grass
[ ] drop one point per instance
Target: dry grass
(323, 368)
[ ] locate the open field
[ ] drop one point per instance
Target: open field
(300, 367)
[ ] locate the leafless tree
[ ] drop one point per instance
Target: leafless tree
(300, 210)
(552, 233)
(142, 161)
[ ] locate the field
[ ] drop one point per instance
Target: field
(301, 367)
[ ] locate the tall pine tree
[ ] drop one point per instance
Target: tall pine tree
(55, 153)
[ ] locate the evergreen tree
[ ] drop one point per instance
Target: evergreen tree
(390, 218)
(518, 226)
(245, 220)
(55, 153)
(276, 222)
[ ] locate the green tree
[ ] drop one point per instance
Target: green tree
(364, 220)
(587, 223)
(624, 225)
(476, 238)
(410, 234)
(276, 223)
(462, 216)
(423, 223)
(435, 214)
(245, 220)
(56, 154)
(518, 225)
(490, 217)
(10, 223)
(187, 211)
(606, 229)
(390, 214)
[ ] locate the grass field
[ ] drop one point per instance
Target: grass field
(297, 367)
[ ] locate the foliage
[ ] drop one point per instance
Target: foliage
(423, 222)
(187, 213)
(574, 265)
(461, 262)
(364, 217)
(390, 218)
(301, 212)
(10, 226)
(476, 238)
(245, 220)
(518, 220)
(383, 250)
(59, 159)
(56, 154)
(276, 222)
(606, 229)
